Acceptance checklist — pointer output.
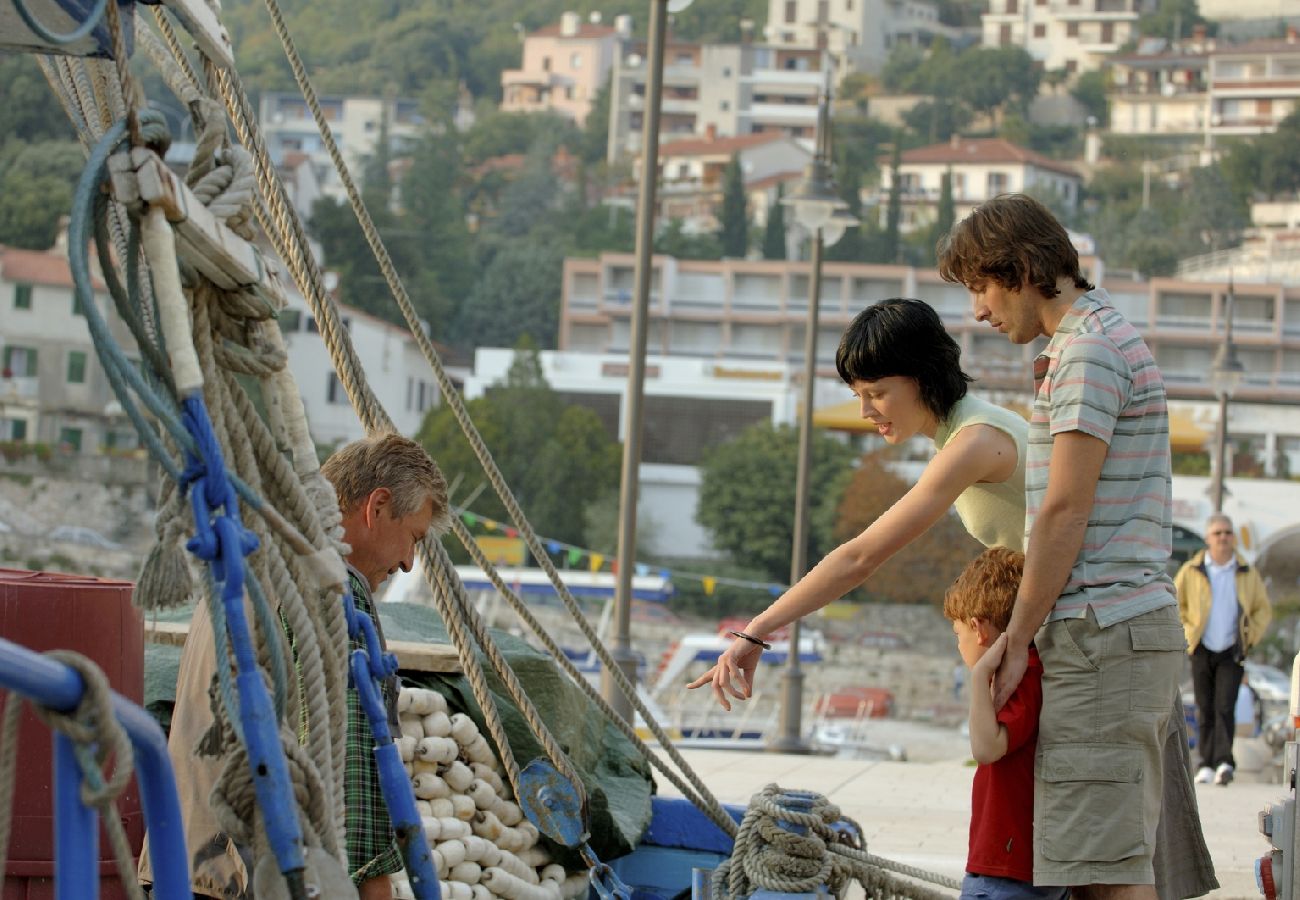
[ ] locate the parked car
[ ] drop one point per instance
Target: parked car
(80, 534)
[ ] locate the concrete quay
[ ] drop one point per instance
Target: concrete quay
(918, 812)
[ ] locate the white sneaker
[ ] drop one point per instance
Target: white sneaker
(1223, 774)
(1204, 775)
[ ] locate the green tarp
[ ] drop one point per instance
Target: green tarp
(617, 779)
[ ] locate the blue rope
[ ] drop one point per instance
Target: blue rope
(366, 668)
(53, 37)
(220, 537)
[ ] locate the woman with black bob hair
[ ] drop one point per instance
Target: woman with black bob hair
(905, 369)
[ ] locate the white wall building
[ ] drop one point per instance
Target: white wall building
(693, 173)
(394, 367)
(1074, 35)
(689, 406)
(858, 33)
(981, 169)
(733, 89)
(52, 388)
(564, 66)
(355, 123)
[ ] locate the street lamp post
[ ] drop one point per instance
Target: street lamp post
(1225, 376)
(818, 208)
(624, 658)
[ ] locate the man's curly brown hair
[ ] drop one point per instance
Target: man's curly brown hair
(1011, 240)
(986, 589)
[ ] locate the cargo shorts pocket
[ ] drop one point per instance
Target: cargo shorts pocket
(1158, 650)
(1091, 802)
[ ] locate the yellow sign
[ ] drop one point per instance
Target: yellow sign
(502, 551)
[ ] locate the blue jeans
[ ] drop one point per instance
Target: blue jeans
(991, 887)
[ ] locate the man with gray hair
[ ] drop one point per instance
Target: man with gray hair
(390, 494)
(1225, 611)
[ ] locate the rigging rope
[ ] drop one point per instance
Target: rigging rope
(216, 177)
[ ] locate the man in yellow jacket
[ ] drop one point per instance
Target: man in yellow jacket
(1225, 611)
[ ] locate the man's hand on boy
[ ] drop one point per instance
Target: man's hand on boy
(986, 666)
(735, 667)
(1015, 660)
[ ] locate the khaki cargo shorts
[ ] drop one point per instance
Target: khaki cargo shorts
(1109, 695)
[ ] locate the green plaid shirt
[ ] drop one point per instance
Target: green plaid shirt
(372, 846)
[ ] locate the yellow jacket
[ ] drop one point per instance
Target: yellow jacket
(1194, 599)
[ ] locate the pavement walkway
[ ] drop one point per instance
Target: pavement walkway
(918, 812)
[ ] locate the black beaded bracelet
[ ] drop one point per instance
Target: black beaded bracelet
(749, 637)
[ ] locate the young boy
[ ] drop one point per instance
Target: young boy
(1000, 863)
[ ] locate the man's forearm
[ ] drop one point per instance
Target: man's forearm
(1054, 545)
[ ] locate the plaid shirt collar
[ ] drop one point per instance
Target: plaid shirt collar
(1087, 304)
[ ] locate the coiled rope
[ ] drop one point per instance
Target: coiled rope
(790, 843)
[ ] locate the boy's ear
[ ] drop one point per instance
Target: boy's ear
(985, 633)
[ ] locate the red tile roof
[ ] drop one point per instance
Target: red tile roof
(1261, 45)
(41, 267)
(721, 146)
(983, 151)
(585, 31)
(761, 184)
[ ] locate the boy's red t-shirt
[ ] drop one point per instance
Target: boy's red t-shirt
(1002, 797)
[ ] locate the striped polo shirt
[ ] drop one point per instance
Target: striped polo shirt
(1098, 377)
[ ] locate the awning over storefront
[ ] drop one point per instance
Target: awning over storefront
(1185, 436)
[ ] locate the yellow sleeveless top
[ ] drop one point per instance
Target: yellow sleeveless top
(994, 514)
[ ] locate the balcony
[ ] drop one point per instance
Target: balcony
(20, 390)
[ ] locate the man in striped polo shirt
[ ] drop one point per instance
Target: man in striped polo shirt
(1114, 813)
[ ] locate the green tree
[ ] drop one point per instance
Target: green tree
(594, 143)
(947, 212)
(517, 295)
(747, 496)
(733, 231)
(849, 248)
(719, 21)
(774, 229)
(36, 182)
(28, 113)
(893, 244)
(1172, 20)
(673, 240)
(1213, 215)
(499, 133)
(921, 571)
(994, 79)
(557, 458)
(1090, 91)
(937, 120)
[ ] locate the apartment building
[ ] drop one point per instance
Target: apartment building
(981, 168)
(1160, 93)
(692, 174)
(395, 369)
(52, 388)
(1253, 86)
(1074, 35)
(564, 66)
(355, 123)
(733, 89)
(858, 34)
(755, 310)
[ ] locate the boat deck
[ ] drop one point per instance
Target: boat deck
(917, 812)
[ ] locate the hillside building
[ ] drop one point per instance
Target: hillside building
(981, 168)
(729, 90)
(564, 66)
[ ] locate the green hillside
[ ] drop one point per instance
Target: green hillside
(365, 46)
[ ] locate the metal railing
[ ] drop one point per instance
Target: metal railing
(58, 687)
